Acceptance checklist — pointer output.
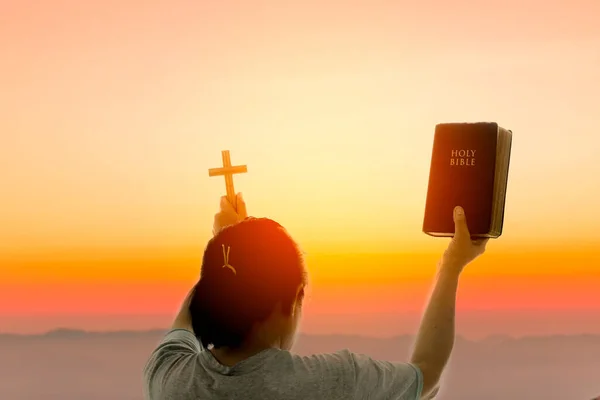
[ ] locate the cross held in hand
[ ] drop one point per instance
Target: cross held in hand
(227, 171)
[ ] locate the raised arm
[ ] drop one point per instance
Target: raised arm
(183, 319)
(227, 215)
(175, 350)
(435, 338)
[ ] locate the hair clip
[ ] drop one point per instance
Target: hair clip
(226, 258)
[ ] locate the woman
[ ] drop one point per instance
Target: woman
(233, 334)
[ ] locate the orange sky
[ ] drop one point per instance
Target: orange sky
(111, 113)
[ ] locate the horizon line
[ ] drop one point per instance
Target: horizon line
(55, 333)
(312, 313)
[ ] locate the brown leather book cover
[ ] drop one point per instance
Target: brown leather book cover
(466, 171)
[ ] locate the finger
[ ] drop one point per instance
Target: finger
(241, 206)
(461, 230)
(226, 206)
(480, 244)
(480, 241)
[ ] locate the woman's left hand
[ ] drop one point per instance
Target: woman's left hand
(230, 214)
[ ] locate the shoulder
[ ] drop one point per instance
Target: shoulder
(172, 359)
(337, 362)
(386, 379)
(330, 373)
(177, 343)
(365, 377)
(353, 375)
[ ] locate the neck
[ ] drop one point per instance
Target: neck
(230, 357)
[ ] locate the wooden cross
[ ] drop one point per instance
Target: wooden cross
(228, 170)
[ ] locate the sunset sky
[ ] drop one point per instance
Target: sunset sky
(111, 113)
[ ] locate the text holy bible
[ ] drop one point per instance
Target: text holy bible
(469, 168)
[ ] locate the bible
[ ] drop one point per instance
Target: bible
(469, 168)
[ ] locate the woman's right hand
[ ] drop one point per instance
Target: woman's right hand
(462, 249)
(228, 215)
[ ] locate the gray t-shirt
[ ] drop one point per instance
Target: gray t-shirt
(179, 369)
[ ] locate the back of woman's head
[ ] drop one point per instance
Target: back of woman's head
(247, 270)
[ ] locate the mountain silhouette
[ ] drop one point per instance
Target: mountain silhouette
(73, 364)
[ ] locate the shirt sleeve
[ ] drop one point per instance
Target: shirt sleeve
(374, 379)
(177, 347)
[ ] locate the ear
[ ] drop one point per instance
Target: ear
(298, 298)
(300, 292)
